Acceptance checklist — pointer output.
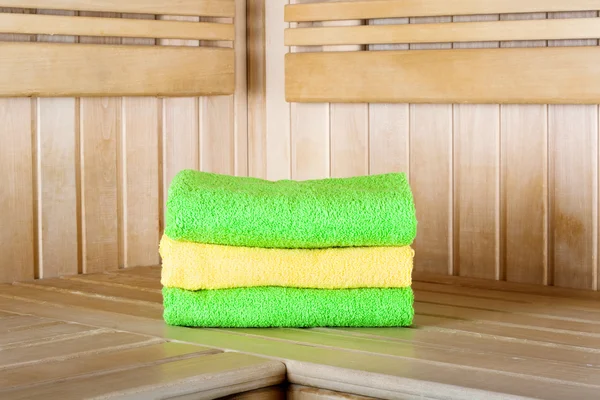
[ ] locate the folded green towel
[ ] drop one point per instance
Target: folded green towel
(375, 210)
(270, 306)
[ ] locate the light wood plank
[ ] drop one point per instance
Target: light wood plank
(520, 76)
(91, 342)
(328, 368)
(57, 166)
(87, 364)
(114, 27)
(141, 169)
(23, 322)
(431, 175)
(278, 129)
(92, 289)
(583, 28)
(298, 392)
(257, 89)
(523, 128)
(226, 371)
(120, 280)
(101, 136)
(41, 334)
(271, 393)
(371, 9)
(349, 127)
(388, 123)
(574, 186)
(240, 144)
(84, 70)
(476, 154)
(209, 8)
(536, 369)
(491, 339)
(310, 136)
(16, 196)
(217, 134)
(153, 272)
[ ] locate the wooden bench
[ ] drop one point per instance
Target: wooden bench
(103, 335)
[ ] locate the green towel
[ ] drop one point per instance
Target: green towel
(375, 210)
(270, 306)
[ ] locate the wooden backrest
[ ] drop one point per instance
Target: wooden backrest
(484, 75)
(32, 68)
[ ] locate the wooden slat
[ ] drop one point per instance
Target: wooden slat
(298, 392)
(19, 322)
(41, 334)
(447, 76)
(38, 69)
(57, 164)
(343, 10)
(229, 372)
(583, 28)
(111, 27)
(209, 8)
(89, 342)
(57, 370)
(120, 280)
(431, 173)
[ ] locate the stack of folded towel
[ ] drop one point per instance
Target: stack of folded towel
(246, 252)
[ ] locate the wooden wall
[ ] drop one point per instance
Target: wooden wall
(83, 181)
(502, 192)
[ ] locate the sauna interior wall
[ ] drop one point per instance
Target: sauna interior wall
(83, 180)
(503, 192)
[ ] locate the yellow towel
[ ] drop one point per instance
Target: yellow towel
(196, 266)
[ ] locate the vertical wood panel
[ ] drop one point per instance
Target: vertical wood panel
(573, 135)
(140, 170)
(277, 109)
(476, 175)
(309, 130)
(524, 133)
(431, 177)
(349, 128)
(388, 124)
(100, 135)
(57, 164)
(181, 136)
(241, 91)
(257, 139)
(16, 196)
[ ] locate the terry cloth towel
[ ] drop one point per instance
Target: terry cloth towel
(194, 266)
(264, 307)
(375, 210)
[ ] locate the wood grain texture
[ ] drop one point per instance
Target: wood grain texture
(349, 126)
(240, 149)
(388, 123)
(278, 124)
(371, 9)
(431, 175)
(524, 183)
(84, 70)
(309, 131)
(573, 136)
(257, 89)
(113, 27)
(16, 196)
(476, 133)
(209, 8)
(57, 168)
(521, 75)
(463, 31)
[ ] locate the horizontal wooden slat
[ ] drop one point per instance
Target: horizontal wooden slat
(518, 76)
(50, 69)
(119, 27)
(208, 8)
(346, 10)
(545, 29)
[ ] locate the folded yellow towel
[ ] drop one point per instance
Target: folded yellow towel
(196, 266)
